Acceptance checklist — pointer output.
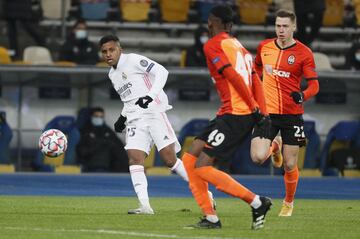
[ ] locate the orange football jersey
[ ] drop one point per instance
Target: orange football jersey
(282, 71)
(221, 51)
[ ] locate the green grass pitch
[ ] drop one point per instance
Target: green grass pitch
(105, 217)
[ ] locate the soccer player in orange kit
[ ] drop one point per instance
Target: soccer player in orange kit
(282, 62)
(242, 108)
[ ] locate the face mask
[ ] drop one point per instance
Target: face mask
(97, 121)
(204, 39)
(80, 34)
(357, 57)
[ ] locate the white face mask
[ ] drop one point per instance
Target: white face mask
(357, 57)
(204, 39)
(80, 34)
(97, 121)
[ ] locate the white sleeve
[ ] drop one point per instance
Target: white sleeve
(156, 72)
(160, 75)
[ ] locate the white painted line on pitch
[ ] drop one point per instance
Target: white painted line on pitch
(114, 232)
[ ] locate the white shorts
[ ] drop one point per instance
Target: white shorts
(156, 129)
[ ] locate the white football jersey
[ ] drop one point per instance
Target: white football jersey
(136, 76)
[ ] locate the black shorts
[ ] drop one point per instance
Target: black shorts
(225, 133)
(291, 128)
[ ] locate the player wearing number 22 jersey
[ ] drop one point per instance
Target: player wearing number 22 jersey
(242, 108)
(283, 62)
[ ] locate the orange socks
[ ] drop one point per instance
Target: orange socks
(291, 179)
(198, 186)
(225, 183)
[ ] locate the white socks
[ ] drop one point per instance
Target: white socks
(179, 169)
(140, 184)
(256, 203)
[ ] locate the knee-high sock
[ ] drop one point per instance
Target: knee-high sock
(198, 187)
(179, 169)
(223, 182)
(140, 184)
(291, 179)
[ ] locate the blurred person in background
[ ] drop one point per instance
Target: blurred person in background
(20, 11)
(99, 149)
(77, 47)
(195, 55)
(353, 56)
(309, 14)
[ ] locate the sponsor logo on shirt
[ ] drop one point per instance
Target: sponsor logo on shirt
(125, 91)
(281, 73)
(269, 70)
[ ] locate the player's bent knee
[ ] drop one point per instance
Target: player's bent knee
(258, 157)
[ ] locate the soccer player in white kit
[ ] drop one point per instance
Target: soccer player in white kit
(139, 81)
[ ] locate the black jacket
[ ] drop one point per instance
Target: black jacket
(100, 149)
(351, 62)
(82, 52)
(195, 54)
(305, 6)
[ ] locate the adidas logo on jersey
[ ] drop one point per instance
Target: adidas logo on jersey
(165, 137)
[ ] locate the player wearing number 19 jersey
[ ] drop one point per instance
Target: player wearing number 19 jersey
(282, 62)
(242, 107)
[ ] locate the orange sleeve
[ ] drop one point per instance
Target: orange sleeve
(258, 92)
(238, 83)
(312, 89)
(309, 66)
(258, 61)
